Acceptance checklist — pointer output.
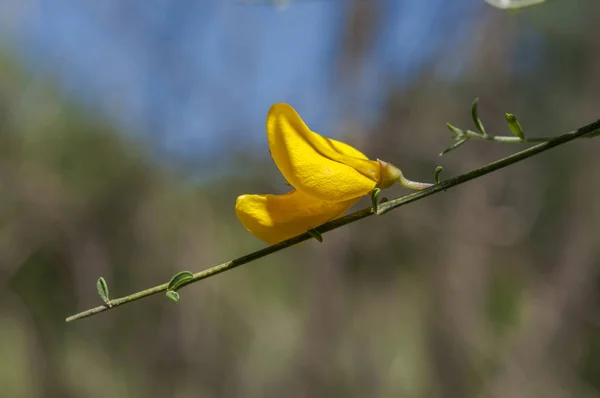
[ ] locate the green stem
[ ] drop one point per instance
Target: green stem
(505, 138)
(353, 217)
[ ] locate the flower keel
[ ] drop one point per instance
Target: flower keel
(273, 218)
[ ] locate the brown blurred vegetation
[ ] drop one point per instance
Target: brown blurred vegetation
(490, 289)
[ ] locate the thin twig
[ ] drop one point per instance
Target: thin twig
(353, 217)
(505, 138)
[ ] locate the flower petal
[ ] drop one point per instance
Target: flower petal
(274, 218)
(326, 169)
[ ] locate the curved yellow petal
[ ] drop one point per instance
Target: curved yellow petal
(274, 218)
(323, 168)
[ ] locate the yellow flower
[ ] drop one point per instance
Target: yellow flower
(328, 177)
(317, 166)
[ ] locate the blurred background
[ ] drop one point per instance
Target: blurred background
(128, 129)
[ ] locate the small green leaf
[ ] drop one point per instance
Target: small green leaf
(438, 171)
(374, 195)
(475, 116)
(173, 295)
(514, 126)
(102, 289)
(315, 234)
(455, 130)
(454, 146)
(179, 279)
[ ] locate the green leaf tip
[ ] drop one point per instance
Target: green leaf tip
(173, 295)
(514, 126)
(438, 170)
(475, 117)
(455, 130)
(102, 287)
(180, 279)
(454, 146)
(374, 195)
(315, 234)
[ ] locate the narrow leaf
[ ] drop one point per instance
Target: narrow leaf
(179, 279)
(102, 289)
(475, 117)
(438, 171)
(374, 195)
(315, 234)
(455, 130)
(514, 126)
(173, 295)
(454, 146)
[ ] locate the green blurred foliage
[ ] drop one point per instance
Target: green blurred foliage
(490, 289)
